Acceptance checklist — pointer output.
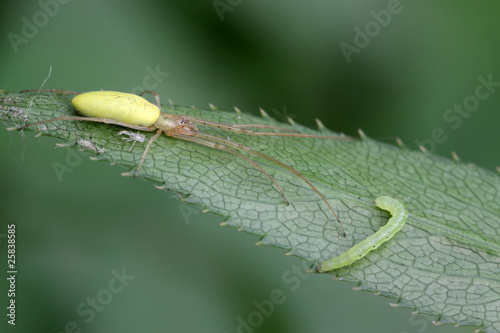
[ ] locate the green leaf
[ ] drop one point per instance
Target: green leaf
(444, 262)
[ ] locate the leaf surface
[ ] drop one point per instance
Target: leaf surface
(444, 262)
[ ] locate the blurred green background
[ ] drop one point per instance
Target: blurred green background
(190, 274)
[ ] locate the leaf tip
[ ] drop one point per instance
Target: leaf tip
(263, 113)
(63, 144)
(311, 270)
(400, 143)
(129, 173)
(320, 124)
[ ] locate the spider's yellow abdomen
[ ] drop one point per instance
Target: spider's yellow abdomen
(119, 106)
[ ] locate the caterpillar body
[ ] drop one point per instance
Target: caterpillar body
(386, 232)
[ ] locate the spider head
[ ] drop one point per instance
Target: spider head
(170, 122)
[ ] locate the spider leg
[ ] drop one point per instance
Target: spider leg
(65, 92)
(96, 120)
(212, 144)
(264, 126)
(153, 138)
(267, 157)
(155, 94)
(242, 129)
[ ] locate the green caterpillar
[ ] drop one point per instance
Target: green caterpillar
(358, 251)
